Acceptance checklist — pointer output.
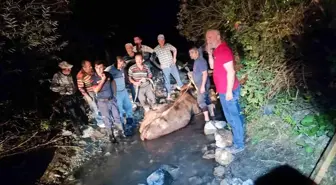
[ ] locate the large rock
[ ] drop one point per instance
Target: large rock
(160, 177)
(212, 126)
(223, 138)
(168, 118)
(223, 157)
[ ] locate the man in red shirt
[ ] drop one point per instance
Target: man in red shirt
(221, 60)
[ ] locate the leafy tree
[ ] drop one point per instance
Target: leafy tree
(29, 27)
(265, 34)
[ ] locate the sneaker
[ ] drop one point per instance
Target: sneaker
(234, 150)
(178, 88)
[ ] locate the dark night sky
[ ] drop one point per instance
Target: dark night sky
(91, 20)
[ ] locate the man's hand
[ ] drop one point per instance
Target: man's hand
(136, 83)
(202, 89)
(174, 60)
(103, 76)
(228, 96)
(190, 74)
(208, 50)
(87, 97)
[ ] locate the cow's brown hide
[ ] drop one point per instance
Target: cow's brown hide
(169, 117)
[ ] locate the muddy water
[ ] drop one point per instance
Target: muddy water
(133, 160)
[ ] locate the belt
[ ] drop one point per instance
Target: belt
(104, 99)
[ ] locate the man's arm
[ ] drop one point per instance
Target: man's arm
(55, 86)
(80, 84)
(204, 78)
(149, 73)
(174, 50)
(99, 86)
(211, 59)
(114, 87)
(130, 77)
(147, 49)
(230, 75)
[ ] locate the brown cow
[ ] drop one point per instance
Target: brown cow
(168, 118)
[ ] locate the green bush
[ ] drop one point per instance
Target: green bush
(259, 31)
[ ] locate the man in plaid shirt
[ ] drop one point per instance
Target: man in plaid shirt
(168, 63)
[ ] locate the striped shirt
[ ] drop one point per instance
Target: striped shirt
(84, 82)
(164, 54)
(137, 74)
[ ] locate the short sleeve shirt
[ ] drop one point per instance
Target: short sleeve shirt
(119, 78)
(137, 74)
(200, 65)
(222, 54)
(165, 54)
(107, 90)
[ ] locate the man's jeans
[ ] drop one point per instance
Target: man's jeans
(124, 105)
(234, 117)
(131, 87)
(109, 111)
(203, 100)
(173, 71)
(93, 106)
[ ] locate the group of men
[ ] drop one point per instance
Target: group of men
(105, 90)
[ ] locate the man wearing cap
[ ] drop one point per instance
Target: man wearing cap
(168, 63)
(221, 60)
(63, 84)
(84, 83)
(105, 88)
(123, 100)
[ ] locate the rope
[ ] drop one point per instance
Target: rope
(142, 81)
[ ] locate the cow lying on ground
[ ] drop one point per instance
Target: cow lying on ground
(168, 118)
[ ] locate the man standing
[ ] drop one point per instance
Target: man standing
(84, 82)
(63, 84)
(201, 80)
(139, 47)
(221, 60)
(105, 88)
(129, 60)
(138, 73)
(123, 101)
(168, 63)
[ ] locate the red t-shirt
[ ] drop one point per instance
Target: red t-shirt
(222, 54)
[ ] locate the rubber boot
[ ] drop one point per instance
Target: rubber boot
(111, 135)
(128, 130)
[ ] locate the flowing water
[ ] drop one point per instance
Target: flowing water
(133, 160)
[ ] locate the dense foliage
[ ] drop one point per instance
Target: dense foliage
(265, 34)
(30, 27)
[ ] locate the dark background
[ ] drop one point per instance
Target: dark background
(89, 29)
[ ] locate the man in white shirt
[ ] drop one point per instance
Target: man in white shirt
(168, 63)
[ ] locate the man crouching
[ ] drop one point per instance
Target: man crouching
(105, 88)
(138, 76)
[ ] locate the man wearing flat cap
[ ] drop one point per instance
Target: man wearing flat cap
(167, 56)
(63, 84)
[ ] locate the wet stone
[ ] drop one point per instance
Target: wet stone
(210, 154)
(160, 177)
(195, 180)
(219, 171)
(223, 157)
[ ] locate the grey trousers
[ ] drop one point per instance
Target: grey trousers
(146, 93)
